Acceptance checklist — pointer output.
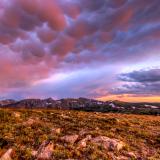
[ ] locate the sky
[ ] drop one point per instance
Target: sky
(101, 49)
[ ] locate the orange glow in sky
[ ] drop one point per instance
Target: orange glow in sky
(129, 98)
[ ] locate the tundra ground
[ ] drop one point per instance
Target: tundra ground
(63, 134)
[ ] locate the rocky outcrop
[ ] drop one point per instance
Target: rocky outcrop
(70, 138)
(44, 152)
(108, 143)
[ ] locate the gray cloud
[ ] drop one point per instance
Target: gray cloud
(152, 75)
(146, 89)
(144, 82)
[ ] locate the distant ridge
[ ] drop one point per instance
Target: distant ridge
(84, 104)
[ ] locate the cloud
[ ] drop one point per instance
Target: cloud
(46, 34)
(146, 89)
(78, 83)
(42, 38)
(117, 3)
(48, 12)
(152, 75)
(144, 82)
(62, 45)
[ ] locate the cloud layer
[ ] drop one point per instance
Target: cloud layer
(39, 40)
(144, 82)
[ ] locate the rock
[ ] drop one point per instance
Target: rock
(83, 143)
(34, 153)
(16, 114)
(30, 121)
(7, 155)
(70, 138)
(108, 143)
(97, 128)
(122, 158)
(64, 116)
(45, 151)
(56, 130)
(131, 155)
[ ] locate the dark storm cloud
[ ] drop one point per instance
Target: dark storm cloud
(139, 89)
(152, 75)
(140, 82)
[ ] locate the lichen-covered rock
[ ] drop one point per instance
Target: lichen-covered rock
(45, 151)
(70, 138)
(108, 143)
(83, 143)
(7, 155)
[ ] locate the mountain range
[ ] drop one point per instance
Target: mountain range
(84, 104)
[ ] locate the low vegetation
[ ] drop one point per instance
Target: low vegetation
(66, 134)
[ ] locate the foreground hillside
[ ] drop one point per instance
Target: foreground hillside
(58, 134)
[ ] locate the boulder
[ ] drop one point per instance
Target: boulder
(45, 151)
(7, 155)
(108, 143)
(83, 143)
(70, 138)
